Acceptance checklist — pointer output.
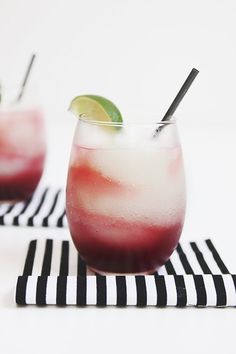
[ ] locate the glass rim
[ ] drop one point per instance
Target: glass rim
(88, 120)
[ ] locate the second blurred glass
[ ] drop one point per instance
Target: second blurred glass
(22, 148)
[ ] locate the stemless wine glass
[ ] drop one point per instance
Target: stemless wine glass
(22, 146)
(125, 198)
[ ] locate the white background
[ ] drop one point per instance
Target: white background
(137, 53)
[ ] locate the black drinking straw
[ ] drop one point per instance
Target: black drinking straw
(23, 85)
(180, 95)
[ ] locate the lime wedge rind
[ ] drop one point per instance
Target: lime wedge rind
(96, 108)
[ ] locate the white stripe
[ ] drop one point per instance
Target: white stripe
(89, 271)
(91, 290)
(187, 249)
(38, 259)
(171, 290)
(111, 290)
(8, 218)
(208, 257)
(190, 290)
(177, 263)
(64, 221)
(30, 296)
(56, 257)
(71, 290)
(162, 270)
(131, 290)
(73, 259)
(3, 208)
(210, 290)
(51, 291)
(58, 210)
(23, 218)
(45, 208)
(230, 290)
(151, 290)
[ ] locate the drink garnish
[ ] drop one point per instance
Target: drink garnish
(95, 108)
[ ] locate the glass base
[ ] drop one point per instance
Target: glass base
(11, 201)
(101, 272)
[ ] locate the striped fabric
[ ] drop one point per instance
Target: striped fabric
(45, 208)
(54, 274)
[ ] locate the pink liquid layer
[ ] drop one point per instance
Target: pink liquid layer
(113, 244)
(21, 185)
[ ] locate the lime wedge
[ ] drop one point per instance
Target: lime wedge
(95, 108)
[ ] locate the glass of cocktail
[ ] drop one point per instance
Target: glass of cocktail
(22, 147)
(125, 198)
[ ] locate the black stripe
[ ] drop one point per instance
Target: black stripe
(81, 299)
(23, 210)
(41, 290)
(217, 257)
(45, 219)
(47, 259)
(60, 219)
(101, 290)
(64, 263)
(161, 290)
(181, 291)
(29, 262)
(141, 290)
(9, 209)
(61, 290)
(121, 291)
(21, 290)
(220, 290)
(31, 218)
(200, 258)
(184, 260)
(82, 269)
(170, 268)
(200, 290)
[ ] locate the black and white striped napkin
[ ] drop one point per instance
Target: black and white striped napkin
(54, 274)
(45, 208)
